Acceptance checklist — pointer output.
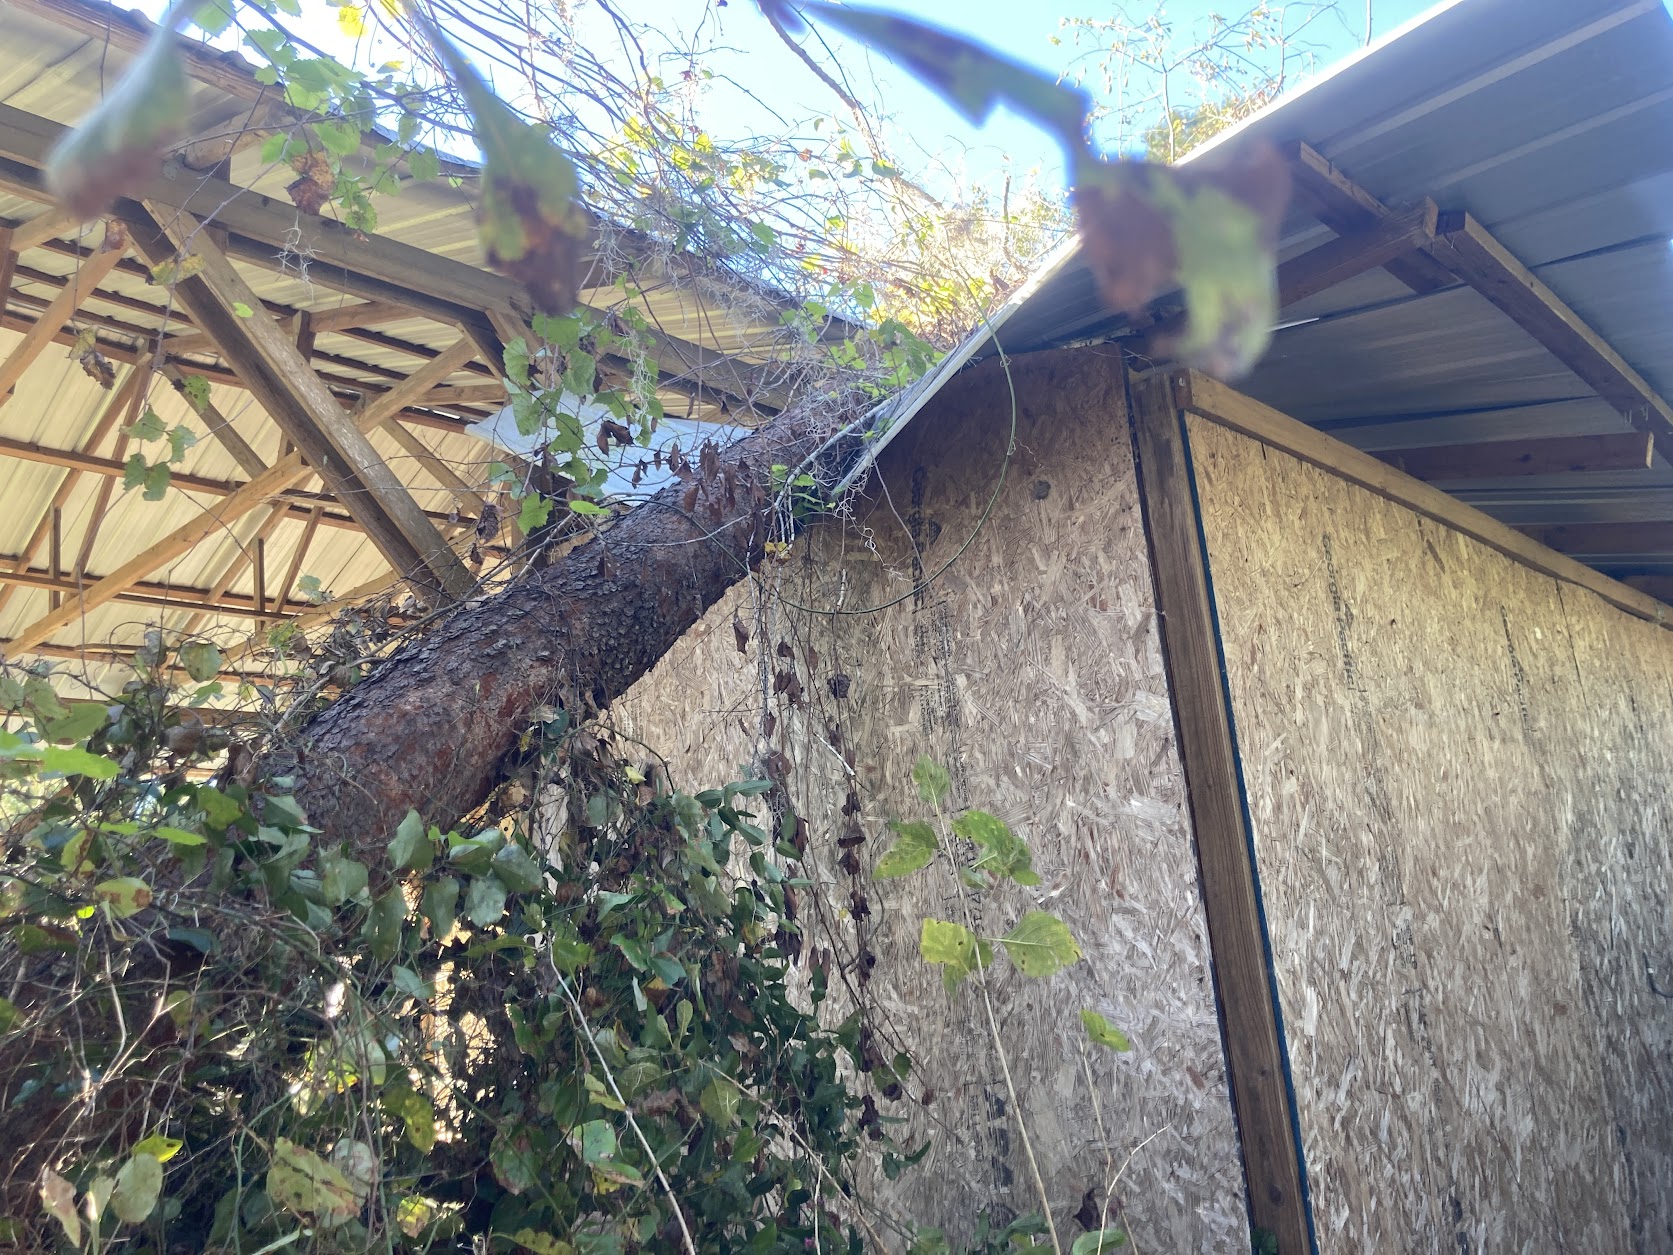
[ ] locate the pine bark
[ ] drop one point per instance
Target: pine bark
(432, 726)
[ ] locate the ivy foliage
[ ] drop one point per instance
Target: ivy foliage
(224, 1034)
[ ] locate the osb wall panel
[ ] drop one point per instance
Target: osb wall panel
(1032, 669)
(1457, 772)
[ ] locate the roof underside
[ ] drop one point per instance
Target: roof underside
(1550, 122)
(719, 345)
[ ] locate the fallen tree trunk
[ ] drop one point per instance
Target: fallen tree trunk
(431, 727)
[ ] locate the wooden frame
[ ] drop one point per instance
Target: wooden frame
(1255, 1059)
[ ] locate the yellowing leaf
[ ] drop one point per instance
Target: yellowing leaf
(125, 895)
(164, 1148)
(1040, 944)
(351, 20)
(1103, 1032)
(914, 847)
(300, 1181)
(955, 947)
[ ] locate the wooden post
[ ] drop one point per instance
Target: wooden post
(1248, 1000)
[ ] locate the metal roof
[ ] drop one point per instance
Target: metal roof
(1549, 121)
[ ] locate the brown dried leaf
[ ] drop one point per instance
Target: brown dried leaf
(740, 633)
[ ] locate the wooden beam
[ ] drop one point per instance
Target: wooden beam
(362, 314)
(113, 411)
(49, 224)
(249, 461)
(1606, 539)
(144, 593)
(1346, 208)
(1261, 1094)
(1503, 459)
(301, 503)
(1230, 408)
(264, 232)
(256, 347)
(466, 496)
(1350, 255)
(1471, 252)
(282, 475)
(62, 307)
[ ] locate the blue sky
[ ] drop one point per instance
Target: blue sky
(771, 82)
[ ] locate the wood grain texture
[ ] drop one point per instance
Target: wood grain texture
(1208, 750)
(1456, 771)
(1032, 668)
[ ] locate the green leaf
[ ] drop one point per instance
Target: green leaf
(633, 949)
(409, 843)
(213, 17)
(180, 438)
(412, 984)
(341, 878)
(77, 762)
(9, 1016)
(955, 947)
(1003, 853)
(78, 722)
(339, 136)
(534, 512)
(1103, 1032)
(133, 471)
(201, 660)
(519, 872)
(971, 78)
(125, 895)
(149, 426)
(164, 1148)
(720, 1102)
(485, 900)
(580, 373)
(915, 845)
(195, 388)
(541, 1243)
(383, 924)
(300, 1181)
(931, 778)
(179, 836)
(416, 1114)
(440, 902)
(1040, 944)
(595, 1140)
(138, 1183)
(529, 216)
(1098, 1242)
(156, 481)
(423, 164)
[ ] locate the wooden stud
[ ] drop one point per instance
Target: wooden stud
(1353, 254)
(1228, 407)
(255, 346)
(59, 311)
(96, 518)
(57, 555)
(1345, 207)
(8, 264)
(282, 475)
(1503, 459)
(297, 557)
(1261, 1094)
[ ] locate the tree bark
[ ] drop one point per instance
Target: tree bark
(432, 726)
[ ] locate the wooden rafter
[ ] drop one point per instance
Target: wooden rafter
(1350, 255)
(359, 316)
(282, 475)
(297, 557)
(300, 502)
(62, 308)
(1475, 256)
(113, 411)
(145, 593)
(249, 461)
(1503, 459)
(257, 348)
(49, 224)
(240, 562)
(1346, 208)
(371, 267)
(96, 518)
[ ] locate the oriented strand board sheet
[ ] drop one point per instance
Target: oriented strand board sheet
(1032, 668)
(1458, 775)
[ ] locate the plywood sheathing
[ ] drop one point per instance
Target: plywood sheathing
(1032, 669)
(1456, 771)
